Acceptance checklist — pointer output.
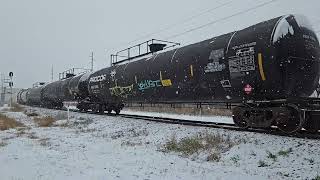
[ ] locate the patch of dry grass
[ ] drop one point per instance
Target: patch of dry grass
(211, 144)
(7, 123)
(46, 121)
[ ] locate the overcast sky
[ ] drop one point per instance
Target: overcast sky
(36, 34)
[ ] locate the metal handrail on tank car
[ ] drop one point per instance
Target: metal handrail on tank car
(63, 75)
(114, 57)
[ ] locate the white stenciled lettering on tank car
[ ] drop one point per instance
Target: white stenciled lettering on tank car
(305, 36)
(243, 60)
(244, 45)
(98, 78)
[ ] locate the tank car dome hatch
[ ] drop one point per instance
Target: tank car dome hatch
(69, 75)
(157, 47)
(298, 55)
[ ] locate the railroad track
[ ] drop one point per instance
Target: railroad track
(271, 131)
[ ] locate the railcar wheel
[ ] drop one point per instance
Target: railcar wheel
(117, 111)
(94, 108)
(240, 117)
(291, 120)
(101, 109)
(311, 124)
(109, 111)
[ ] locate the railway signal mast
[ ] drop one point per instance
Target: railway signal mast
(11, 85)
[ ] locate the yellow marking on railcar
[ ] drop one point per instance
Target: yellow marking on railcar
(165, 82)
(191, 70)
(260, 62)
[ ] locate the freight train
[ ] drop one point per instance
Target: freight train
(270, 69)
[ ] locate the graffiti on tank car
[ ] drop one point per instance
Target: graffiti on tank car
(148, 84)
(98, 78)
(121, 91)
(113, 74)
(214, 61)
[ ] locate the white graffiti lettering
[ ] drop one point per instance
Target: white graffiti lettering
(98, 78)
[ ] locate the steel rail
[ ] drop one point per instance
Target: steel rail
(268, 131)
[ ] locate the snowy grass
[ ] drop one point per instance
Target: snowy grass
(3, 143)
(89, 146)
(317, 177)
(7, 123)
(262, 164)
(285, 152)
(61, 115)
(31, 114)
(44, 142)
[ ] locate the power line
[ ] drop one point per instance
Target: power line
(182, 21)
(222, 19)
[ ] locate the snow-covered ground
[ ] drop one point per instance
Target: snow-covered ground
(103, 147)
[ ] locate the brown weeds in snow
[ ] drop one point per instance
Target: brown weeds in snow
(212, 144)
(7, 123)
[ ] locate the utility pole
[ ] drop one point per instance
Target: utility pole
(52, 73)
(2, 90)
(91, 61)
